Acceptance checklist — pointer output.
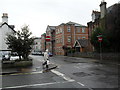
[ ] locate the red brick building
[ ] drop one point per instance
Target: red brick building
(50, 45)
(66, 34)
(43, 43)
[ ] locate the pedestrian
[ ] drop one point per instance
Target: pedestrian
(46, 60)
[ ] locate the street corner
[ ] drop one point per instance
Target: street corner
(16, 71)
(52, 66)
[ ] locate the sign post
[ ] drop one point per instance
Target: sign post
(100, 40)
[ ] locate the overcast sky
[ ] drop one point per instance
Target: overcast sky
(40, 13)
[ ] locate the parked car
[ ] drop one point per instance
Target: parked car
(43, 53)
(5, 57)
(36, 53)
(14, 57)
(50, 54)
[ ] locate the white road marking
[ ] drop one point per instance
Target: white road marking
(62, 75)
(37, 72)
(90, 88)
(84, 86)
(24, 73)
(80, 83)
(36, 85)
(67, 78)
(79, 67)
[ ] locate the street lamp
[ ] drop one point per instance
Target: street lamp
(100, 38)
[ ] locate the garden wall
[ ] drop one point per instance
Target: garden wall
(105, 56)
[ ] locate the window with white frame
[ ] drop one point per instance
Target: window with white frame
(83, 30)
(69, 38)
(60, 40)
(56, 31)
(60, 30)
(68, 29)
(56, 40)
(83, 37)
(78, 30)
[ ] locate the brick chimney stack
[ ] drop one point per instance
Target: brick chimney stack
(5, 18)
(103, 8)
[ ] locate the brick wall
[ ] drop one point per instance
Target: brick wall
(65, 37)
(105, 56)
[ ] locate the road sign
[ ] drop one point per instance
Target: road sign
(99, 39)
(47, 38)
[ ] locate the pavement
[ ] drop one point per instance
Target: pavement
(33, 68)
(52, 65)
(89, 60)
(24, 70)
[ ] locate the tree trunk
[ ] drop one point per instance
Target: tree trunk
(19, 57)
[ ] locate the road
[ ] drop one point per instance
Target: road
(84, 75)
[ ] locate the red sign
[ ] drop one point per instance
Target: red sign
(100, 39)
(47, 38)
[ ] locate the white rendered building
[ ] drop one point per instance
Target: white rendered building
(37, 44)
(5, 29)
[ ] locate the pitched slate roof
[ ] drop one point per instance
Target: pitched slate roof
(52, 27)
(73, 23)
(10, 26)
(81, 42)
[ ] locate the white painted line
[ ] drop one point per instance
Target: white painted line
(84, 85)
(80, 83)
(24, 73)
(36, 85)
(62, 75)
(36, 72)
(90, 88)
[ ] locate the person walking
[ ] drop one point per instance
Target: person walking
(46, 60)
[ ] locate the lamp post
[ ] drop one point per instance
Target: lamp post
(100, 41)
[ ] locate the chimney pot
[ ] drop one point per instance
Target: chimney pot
(5, 18)
(5, 15)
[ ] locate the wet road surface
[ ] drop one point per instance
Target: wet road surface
(88, 75)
